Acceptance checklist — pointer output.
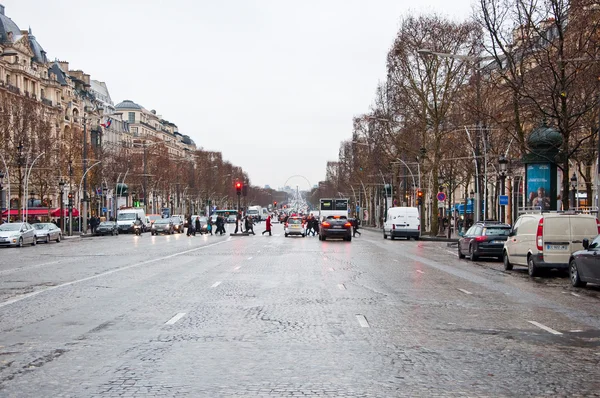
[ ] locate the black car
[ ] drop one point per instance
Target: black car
(107, 228)
(584, 265)
(178, 224)
(336, 227)
(483, 239)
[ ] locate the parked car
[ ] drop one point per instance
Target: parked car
(178, 224)
(17, 234)
(164, 225)
(547, 240)
(584, 265)
(402, 222)
(46, 232)
(484, 239)
(107, 228)
(295, 226)
(231, 218)
(335, 227)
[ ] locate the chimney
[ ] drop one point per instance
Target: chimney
(1, 9)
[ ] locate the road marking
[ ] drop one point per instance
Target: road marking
(236, 268)
(544, 327)
(575, 294)
(341, 286)
(249, 258)
(362, 321)
(465, 291)
(576, 331)
(331, 269)
(89, 278)
(216, 284)
(175, 318)
(258, 251)
(395, 260)
(420, 272)
(451, 252)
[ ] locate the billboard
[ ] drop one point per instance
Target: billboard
(538, 185)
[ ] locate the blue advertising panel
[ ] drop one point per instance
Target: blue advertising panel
(503, 200)
(538, 185)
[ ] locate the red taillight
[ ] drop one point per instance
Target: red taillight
(480, 239)
(326, 224)
(539, 236)
(598, 225)
(393, 226)
(347, 225)
(286, 225)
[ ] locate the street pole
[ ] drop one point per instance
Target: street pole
(8, 190)
(61, 185)
(145, 176)
(70, 192)
(83, 224)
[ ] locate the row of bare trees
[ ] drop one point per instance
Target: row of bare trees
(461, 94)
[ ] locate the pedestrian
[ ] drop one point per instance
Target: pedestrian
(190, 229)
(209, 226)
(355, 224)
(238, 222)
(249, 225)
(268, 226)
(198, 226)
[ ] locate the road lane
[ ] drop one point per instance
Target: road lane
(281, 324)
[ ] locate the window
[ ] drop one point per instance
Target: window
(131, 117)
(134, 131)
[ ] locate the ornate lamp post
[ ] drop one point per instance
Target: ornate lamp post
(502, 168)
(440, 208)
(61, 186)
(573, 201)
(1, 191)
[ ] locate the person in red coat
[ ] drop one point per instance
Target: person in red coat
(268, 225)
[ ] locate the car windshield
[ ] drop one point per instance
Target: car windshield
(126, 216)
(154, 218)
(162, 221)
(203, 219)
(10, 227)
(176, 219)
(294, 221)
(41, 226)
(252, 211)
(496, 231)
(106, 224)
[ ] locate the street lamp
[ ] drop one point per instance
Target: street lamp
(573, 190)
(1, 191)
(502, 168)
(61, 186)
(440, 180)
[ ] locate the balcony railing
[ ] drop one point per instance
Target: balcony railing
(46, 101)
(13, 89)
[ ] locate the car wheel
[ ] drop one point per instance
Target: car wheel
(417, 238)
(34, 241)
(574, 274)
(349, 239)
(507, 264)
(58, 239)
(20, 242)
(460, 253)
(472, 255)
(47, 238)
(320, 237)
(112, 233)
(532, 270)
(304, 235)
(384, 235)
(324, 237)
(286, 235)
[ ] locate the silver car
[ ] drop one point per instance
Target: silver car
(17, 234)
(46, 232)
(164, 225)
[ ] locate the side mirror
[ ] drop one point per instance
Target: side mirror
(512, 233)
(586, 243)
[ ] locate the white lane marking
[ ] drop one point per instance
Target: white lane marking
(576, 331)
(395, 260)
(175, 318)
(451, 252)
(216, 284)
(249, 258)
(341, 286)
(544, 327)
(575, 294)
(89, 278)
(10, 271)
(420, 272)
(236, 268)
(362, 321)
(465, 291)
(331, 269)
(258, 251)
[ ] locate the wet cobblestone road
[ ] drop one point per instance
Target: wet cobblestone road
(259, 316)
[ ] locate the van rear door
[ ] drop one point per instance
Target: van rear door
(557, 239)
(582, 226)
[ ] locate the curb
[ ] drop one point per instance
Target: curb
(65, 237)
(425, 238)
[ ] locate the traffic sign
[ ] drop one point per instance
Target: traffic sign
(104, 210)
(503, 199)
(441, 196)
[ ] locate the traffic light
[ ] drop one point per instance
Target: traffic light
(245, 190)
(70, 199)
(419, 197)
(275, 204)
(238, 188)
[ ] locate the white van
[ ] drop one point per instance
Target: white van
(126, 218)
(546, 240)
(402, 222)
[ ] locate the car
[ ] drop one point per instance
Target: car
(484, 239)
(213, 218)
(164, 225)
(46, 232)
(402, 222)
(584, 265)
(295, 226)
(151, 218)
(17, 234)
(546, 240)
(203, 225)
(231, 218)
(335, 227)
(178, 224)
(107, 228)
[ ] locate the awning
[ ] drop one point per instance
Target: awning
(56, 212)
(28, 212)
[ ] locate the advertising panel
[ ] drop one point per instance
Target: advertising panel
(538, 185)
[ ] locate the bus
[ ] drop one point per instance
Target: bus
(333, 207)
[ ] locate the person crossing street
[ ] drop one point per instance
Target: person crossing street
(268, 226)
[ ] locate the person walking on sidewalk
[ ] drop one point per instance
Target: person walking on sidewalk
(268, 226)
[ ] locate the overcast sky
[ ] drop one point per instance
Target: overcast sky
(273, 84)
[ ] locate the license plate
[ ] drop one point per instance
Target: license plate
(497, 242)
(556, 247)
(337, 226)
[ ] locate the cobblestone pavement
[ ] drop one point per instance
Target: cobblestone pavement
(260, 316)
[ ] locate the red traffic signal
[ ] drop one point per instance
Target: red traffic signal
(274, 204)
(238, 187)
(420, 193)
(70, 196)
